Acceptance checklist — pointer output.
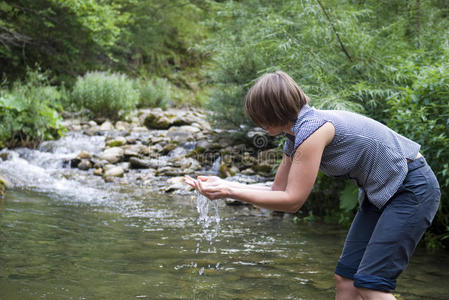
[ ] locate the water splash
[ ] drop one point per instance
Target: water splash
(210, 223)
(209, 220)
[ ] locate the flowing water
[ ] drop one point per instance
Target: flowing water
(70, 236)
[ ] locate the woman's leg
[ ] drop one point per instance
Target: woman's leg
(346, 289)
(356, 241)
(368, 294)
(401, 225)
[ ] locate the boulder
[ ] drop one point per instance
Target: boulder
(114, 172)
(116, 142)
(107, 126)
(175, 184)
(84, 155)
(123, 126)
(84, 165)
(137, 163)
(4, 184)
(112, 155)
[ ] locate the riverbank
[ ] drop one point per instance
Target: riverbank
(156, 148)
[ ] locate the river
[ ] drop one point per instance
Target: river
(71, 236)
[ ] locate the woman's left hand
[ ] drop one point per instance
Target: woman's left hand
(212, 189)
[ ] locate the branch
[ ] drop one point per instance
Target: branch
(342, 46)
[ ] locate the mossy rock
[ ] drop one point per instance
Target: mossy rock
(224, 171)
(4, 184)
(153, 121)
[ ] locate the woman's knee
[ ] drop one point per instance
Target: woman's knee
(343, 282)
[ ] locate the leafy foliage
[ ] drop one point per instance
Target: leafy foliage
(155, 93)
(105, 94)
(27, 112)
(421, 112)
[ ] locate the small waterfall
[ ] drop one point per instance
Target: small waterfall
(43, 169)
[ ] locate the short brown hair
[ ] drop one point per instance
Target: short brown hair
(274, 100)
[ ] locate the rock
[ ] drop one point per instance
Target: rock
(84, 155)
(169, 171)
(183, 134)
(190, 163)
(116, 142)
(176, 183)
(85, 164)
(123, 126)
(99, 163)
(114, 172)
(248, 171)
(94, 130)
(224, 171)
(137, 163)
(168, 148)
(4, 185)
(98, 172)
(202, 146)
(131, 140)
(112, 155)
(5, 155)
(139, 129)
(107, 126)
(263, 169)
(154, 121)
(108, 167)
(75, 162)
(124, 165)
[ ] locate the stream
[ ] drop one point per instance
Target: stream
(66, 234)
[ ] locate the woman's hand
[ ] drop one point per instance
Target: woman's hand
(212, 187)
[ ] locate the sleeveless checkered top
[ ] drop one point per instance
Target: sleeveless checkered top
(364, 150)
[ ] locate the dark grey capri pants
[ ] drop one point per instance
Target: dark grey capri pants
(380, 241)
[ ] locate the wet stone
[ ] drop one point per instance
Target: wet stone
(84, 165)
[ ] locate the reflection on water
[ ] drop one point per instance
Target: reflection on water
(147, 249)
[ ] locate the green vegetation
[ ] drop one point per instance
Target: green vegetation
(385, 59)
(28, 112)
(106, 95)
(155, 93)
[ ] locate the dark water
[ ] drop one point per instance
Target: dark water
(153, 248)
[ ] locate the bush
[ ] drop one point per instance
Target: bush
(421, 113)
(28, 112)
(105, 94)
(155, 93)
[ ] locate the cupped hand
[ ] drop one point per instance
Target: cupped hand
(212, 187)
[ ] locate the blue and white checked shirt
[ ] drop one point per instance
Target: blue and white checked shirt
(364, 150)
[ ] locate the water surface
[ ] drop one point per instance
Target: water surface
(153, 248)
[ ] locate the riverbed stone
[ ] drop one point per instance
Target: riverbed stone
(175, 184)
(106, 126)
(116, 142)
(115, 171)
(122, 126)
(84, 155)
(5, 155)
(190, 163)
(137, 163)
(112, 155)
(84, 165)
(4, 185)
(98, 172)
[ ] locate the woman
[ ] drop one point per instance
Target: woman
(398, 196)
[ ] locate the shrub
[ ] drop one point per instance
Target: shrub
(28, 112)
(155, 93)
(421, 112)
(105, 94)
